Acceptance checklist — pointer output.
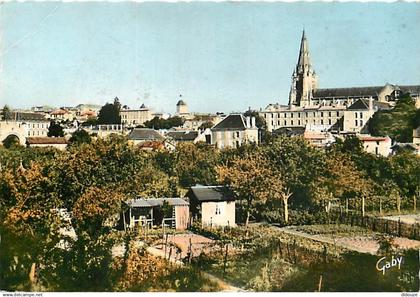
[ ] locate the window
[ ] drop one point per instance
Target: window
(322, 122)
(338, 114)
(217, 209)
(322, 114)
(361, 123)
(355, 115)
(291, 115)
(285, 123)
(299, 122)
(329, 121)
(291, 122)
(361, 115)
(376, 150)
(237, 134)
(329, 113)
(355, 123)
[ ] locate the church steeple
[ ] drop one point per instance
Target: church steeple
(304, 80)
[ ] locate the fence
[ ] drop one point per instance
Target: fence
(379, 224)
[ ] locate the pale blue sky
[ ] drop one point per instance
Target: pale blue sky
(220, 56)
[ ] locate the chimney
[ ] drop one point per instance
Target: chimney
(370, 103)
(248, 122)
(253, 122)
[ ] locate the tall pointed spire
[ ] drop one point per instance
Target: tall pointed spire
(304, 80)
(304, 61)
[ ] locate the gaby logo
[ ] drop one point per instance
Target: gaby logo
(383, 264)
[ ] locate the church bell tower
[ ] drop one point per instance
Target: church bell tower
(304, 80)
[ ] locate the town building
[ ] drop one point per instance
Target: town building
(136, 117)
(309, 104)
(23, 125)
(380, 146)
(55, 142)
(233, 131)
(140, 135)
(212, 206)
(182, 109)
(62, 114)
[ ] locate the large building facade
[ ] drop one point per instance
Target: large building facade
(326, 108)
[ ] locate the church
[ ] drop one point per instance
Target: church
(334, 109)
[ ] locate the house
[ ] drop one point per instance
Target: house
(56, 142)
(416, 135)
(376, 144)
(233, 131)
(359, 113)
(152, 212)
(414, 148)
(62, 114)
(320, 139)
(140, 135)
(212, 205)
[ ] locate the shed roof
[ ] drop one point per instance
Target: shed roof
(183, 135)
(211, 193)
(151, 202)
(46, 140)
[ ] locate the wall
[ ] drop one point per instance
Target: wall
(225, 215)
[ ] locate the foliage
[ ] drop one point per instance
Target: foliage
(109, 114)
(11, 141)
(6, 113)
(55, 130)
(397, 123)
(159, 123)
(206, 125)
(80, 136)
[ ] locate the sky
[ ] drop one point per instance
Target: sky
(225, 56)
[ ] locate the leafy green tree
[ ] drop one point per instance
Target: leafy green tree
(300, 165)
(109, 114)
(79, 137)
(159, 123)
(397, 123)
(55, 130)
(247, 177)
(206, 125)
(11, 141)
(92, 121)
(6, 113)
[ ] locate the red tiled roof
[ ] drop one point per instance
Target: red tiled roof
(46, 140)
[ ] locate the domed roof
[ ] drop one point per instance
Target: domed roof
(180, 102)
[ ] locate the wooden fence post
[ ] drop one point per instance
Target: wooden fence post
(320, 283)
(225, 259)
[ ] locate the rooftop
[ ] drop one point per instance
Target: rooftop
(145, 134)
(211, 193)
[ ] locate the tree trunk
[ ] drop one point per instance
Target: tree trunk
(363, 206)
(398, 203)
(32, 277)
(414, 202)
(286, 211)
(247, 218)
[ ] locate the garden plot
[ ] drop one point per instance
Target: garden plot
(348, 237)
(182, 243)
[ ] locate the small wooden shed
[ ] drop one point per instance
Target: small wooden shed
(153, 212)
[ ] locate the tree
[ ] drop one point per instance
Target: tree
(206, 125)
(11, 141)
(397, 123)
(79, 137)
(55, 130)
(6, 113)
(159, 123)
(92, 121)
(247, 177)
(109, 114)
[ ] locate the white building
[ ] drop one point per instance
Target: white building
(135, 117)
(233, 131)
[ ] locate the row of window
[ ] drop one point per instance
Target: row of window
(360, 113)
(299, 122)
(307, 114)
(358, 123)
(37, 133)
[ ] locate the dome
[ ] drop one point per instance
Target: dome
(180, 102)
